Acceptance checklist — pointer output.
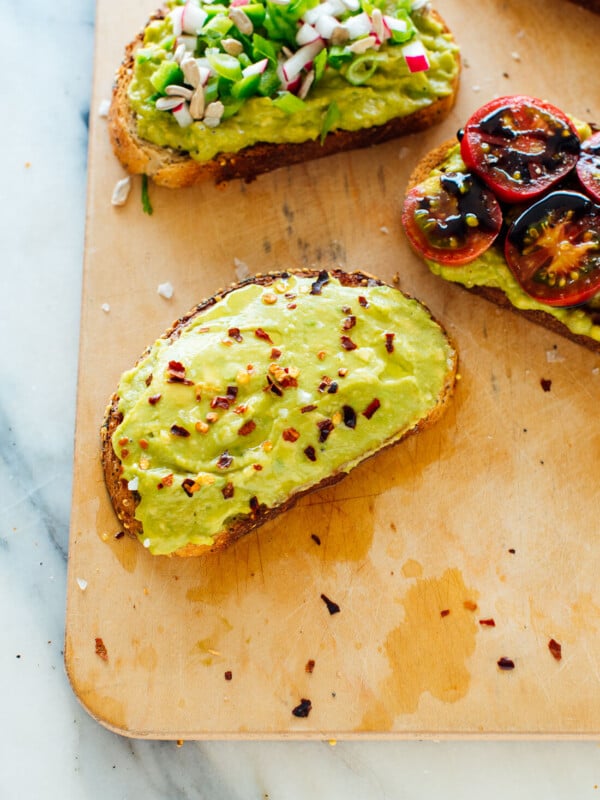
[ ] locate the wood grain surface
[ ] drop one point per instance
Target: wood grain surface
(491, 515)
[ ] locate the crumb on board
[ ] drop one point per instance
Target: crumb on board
(121, 191)
(165, 290)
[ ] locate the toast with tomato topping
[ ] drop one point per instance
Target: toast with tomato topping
(215, 92)
(247, 403)
(510, 210)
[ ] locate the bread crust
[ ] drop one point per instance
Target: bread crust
(176, 169)
(124, 500)
(433, 160)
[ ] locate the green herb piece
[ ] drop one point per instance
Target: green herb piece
(288, 102)
(146, 204)
(331, 117)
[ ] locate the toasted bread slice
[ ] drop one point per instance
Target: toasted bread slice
(433, 161)
(176, 168)
(284, 424)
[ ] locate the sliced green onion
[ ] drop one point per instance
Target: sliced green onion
(263, 48)
(246, 87)
(269, 82)
(319, 64)
(288, 102)
(226, 66)
(218, 24)
(256, 12)
(332, 115)
(362, 68)
(338, 55)
(167, 73)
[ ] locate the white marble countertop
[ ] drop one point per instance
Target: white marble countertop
(49, 746)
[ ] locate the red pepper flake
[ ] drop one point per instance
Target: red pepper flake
(247, 428)
(220, 402)
(342, 372)
(123, 441)
(292, 306)
(144, 444)
(321, 281)
(178, 430)
(228, 490)
(363, 301)
(546, 384)
(309, 666)
(490, 622)
(349, 322)
(347, 343)
(389, 342)
(371, 408)
(225, 460)
(309, 452)
(148, 380)
(506, 663)
(326, 382)
(315, 538)
(555, 648)
(275, 352)
(332, 607)
(306, 409)
(101, 650)
(290, 435)
(153, 399)
(124, 453)
(257, 467)
(176, 373)
(166, 481)
(333, 387)
(470, 605)
(254, 503)
(325, 427)
(189, 487)
(260, 334)
(349, 416)
(234, 333)
(303, 709)
(228, 675)
(445, 612)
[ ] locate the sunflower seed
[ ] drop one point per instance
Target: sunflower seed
(191, 71)
(241, 20)
(168, 103)
(197, 103)
(232, 47)
(179, 91)
(180, 53)
(213, 113)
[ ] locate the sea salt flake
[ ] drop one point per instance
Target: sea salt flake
(384, 229)
(121, 191)
(105, 307)
(515, 56)
(147, 543)
(104, 108)
(165, 290)
(82, 583)
(553, 357)
(133, 484)
(241, 269)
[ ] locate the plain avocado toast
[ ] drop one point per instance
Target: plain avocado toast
(218, 90)
(271, 389)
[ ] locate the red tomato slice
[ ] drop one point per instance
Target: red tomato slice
(451, 218)
(553, 249)
(519, 146)
(588, 166)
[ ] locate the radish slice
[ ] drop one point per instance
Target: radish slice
(255, 69)
(306, 34)
(238, 3)
(175, 17)
(329, 7)
(352, 5)
(326, 25)
(300, 59)
(415, 56)
(192, 18)
(395, 24)
(189, 42)
(359, 25)
(182, 115)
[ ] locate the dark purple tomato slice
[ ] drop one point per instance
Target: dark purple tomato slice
(451, 218)
(588, 166)
(519, 146)
(553, 249)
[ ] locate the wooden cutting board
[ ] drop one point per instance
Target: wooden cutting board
(491, 515)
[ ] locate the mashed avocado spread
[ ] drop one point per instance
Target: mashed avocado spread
(343, 86)
(266, 393)
(490, 269)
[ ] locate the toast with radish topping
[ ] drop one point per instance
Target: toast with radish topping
(232, 89)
